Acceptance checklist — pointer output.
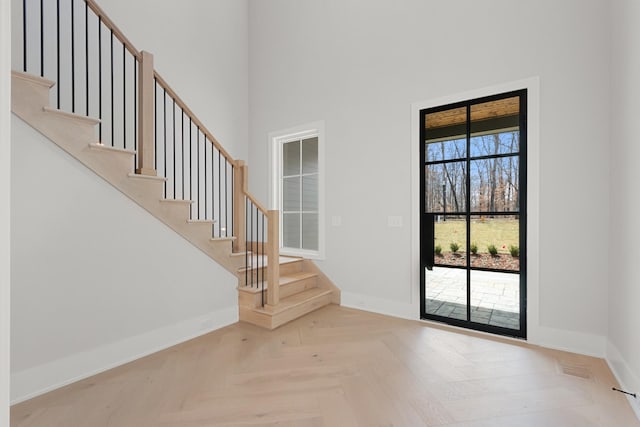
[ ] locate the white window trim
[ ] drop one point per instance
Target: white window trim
(276, 140)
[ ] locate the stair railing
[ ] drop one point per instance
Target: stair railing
(99, 73)
(94, 65)
(258, 235)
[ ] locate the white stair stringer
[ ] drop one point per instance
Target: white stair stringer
(77, 135)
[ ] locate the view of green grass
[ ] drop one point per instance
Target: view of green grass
(500, 232)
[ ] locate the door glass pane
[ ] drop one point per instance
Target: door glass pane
(495, 242)
(446, 150)
(450, 243)
(494, 117)
(495, 143)
(495, 185)
(446, 292)
(291, 158)
(291, 230)
(310, 231)
(446, 187)
(291, 194)
(310, 155)
(446, 125)
(310, 193)
(495, 298)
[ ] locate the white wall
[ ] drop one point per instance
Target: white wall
(624, 287)
(5, 206)
(201, 49)
(96, 281)
(359, 65)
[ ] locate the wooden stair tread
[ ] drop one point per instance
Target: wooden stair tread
(223, 239)
(294, 277)
(79, 117)
(148, 177)
(32, 78)
(293, 301)
(284, 281)
(177, 201)
(103, 147)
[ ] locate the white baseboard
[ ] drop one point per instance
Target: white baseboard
(558, 339)
(380, 305)
(571, 341)
(58, 373)
(626, 377)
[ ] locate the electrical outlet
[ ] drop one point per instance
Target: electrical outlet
(336, 221)
(394, 221)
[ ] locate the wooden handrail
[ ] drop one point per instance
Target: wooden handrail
(146, 167)
(113, 27)
(257, 204)
(183, 106)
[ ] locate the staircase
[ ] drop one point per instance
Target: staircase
(272, 290)
(302, 287)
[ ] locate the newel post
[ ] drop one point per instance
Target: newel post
(273, 257)
(240, 183)
(145, 115)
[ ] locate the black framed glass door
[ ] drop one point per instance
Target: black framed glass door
(473, 213)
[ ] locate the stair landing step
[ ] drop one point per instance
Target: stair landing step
(290, 308)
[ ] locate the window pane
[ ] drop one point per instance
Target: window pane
(446, 187)
(450, 241)
(291, 230)
(446, 150)
(495, 184)
(310, 193)
(291, 194)
(310, 231)
(291, 158)
(447, 119)
(495, 143)
(496, 240)
(495, 299)
(446, 292)
(310, 155)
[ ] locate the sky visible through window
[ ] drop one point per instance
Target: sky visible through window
(494, 173)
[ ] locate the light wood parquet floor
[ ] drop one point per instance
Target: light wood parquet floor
(340, 367)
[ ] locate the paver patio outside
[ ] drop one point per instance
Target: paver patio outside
(495, 296)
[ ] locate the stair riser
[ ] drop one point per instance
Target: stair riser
(300, 310)
(178, 212)
(290, 268)
(271, 322)
(250, 299)
(112, 167)
(257, 274)
(70, 135)
(297, 286)
(145, 191)
(29, 93)
(254, 299)
(250, 277)
(204, 229)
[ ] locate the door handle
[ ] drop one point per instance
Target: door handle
(429, 241)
